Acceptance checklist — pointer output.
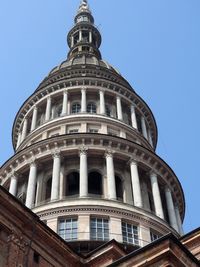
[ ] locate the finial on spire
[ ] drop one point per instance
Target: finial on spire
(84, 6)
(84, 2)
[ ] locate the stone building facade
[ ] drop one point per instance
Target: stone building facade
(85, 164)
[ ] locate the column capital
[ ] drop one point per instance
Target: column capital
(25, 118)
(102, 90)
(83, 150)
(49, 97)
(167, 189)
(65, 91)
(14, 174)
(83, 89)
(132, 161)
(133, 106)
(153, 173)
(56, 153)
(32, 162)
(109, 153)
(35, 107)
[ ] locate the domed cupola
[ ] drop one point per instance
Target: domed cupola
(84, 38)
(85, 159)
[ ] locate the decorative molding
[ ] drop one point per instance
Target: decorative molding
(121, 213)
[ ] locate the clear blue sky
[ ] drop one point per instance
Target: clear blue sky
(154, 43)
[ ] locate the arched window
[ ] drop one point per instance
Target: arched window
(85, 37)
(40, 119)
(76, 108)
(48, 189)
(72, 184)
(108, 111)
(58, 111)
(76, 38)
(119, 187)
(95, 183)
(91, 108)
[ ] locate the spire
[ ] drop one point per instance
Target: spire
(84, 39)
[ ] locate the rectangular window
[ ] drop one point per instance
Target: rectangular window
(99, 229)
(53, 135)
(154, 236)
(68, 229)
(73, 131)
(130, 233)
(93, 130)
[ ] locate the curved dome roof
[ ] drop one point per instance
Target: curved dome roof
(84, 60)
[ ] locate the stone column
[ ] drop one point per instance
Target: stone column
(137, 196)
(119, 108)
(53, 112)
(83, 190)
(13, 185)
(34, 119)
(48, 109)
(55, 176)
(90, 37)
(18, 140)
(83, 100)
(65, 104)
(38, 197)
(69, 107)
(179, 221)
(30, 194)
(171, 209)
(80, 36)
(144, 127)
(133, 117)
(72, 41)
(62, 183)
(24, 129)
(102, 102)
(156, 195)
(150, 138)
(110, 176)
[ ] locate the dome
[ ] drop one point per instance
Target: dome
(85, 146)
(84, 60)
